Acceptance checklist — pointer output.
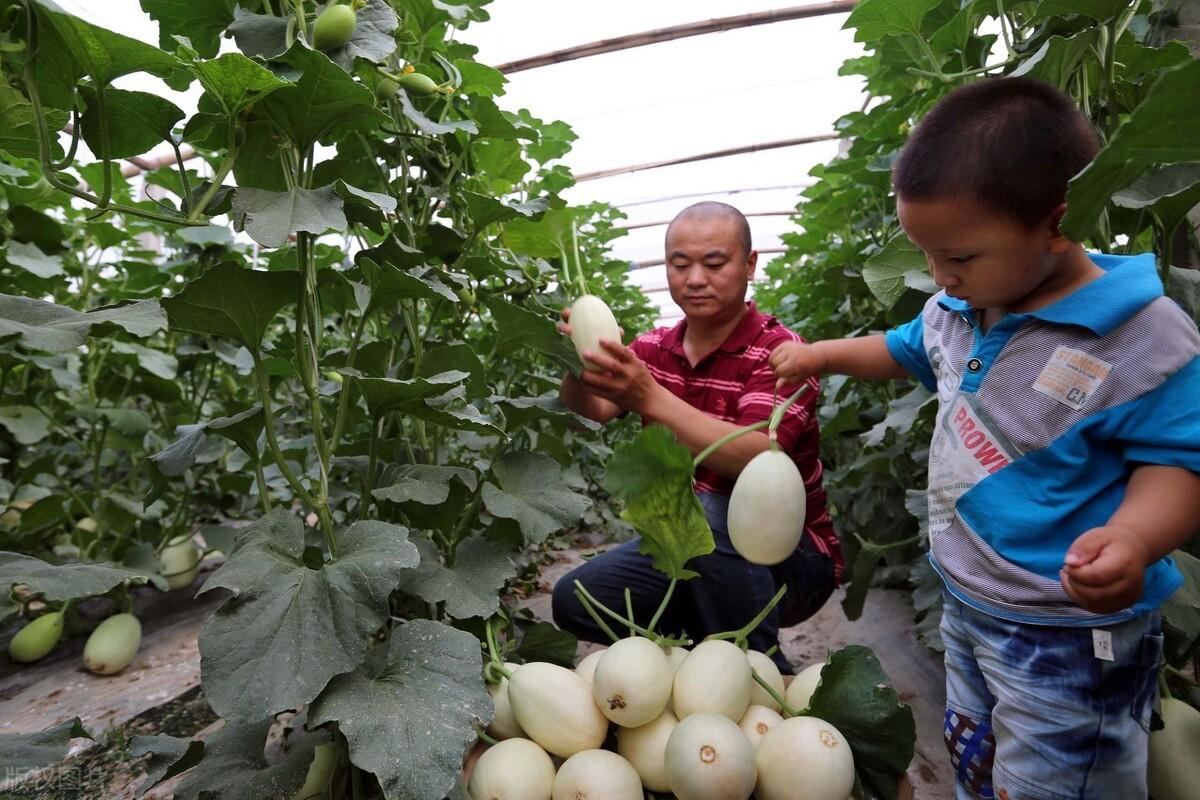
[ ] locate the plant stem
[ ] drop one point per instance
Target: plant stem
(105, 149)
(786, 709)
(264, 391)
(1002, 18)
(739, 636)
(726, 439)
(662, 607)
(951, 76)
(494, 650)
(629, 606)
(591, 604)
(581, 594)
(264, 493)
(778, 413)
(578, 264)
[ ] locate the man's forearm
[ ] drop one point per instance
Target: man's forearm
(1161, 504)
(865, 357)
(577, 397)
(697, 430)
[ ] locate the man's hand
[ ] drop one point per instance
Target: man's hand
(622, 378)
(795, 362)
(1104, 569)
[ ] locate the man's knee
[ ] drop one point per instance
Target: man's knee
(565, 608)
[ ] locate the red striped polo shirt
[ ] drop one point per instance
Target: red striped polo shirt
(735, 383)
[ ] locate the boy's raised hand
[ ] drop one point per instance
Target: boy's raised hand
(1104, 569)
(796, 362)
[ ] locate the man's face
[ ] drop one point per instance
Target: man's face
(707, 269)
(979, 256)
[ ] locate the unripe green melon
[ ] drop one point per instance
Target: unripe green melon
(113, 644)
(37, 638)
(333, 28)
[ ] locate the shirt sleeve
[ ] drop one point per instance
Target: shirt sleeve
(907, 345)
(1163, 426)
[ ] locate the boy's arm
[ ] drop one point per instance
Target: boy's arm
(866, 357)
(1160, 512)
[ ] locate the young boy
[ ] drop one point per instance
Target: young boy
(1063, 468)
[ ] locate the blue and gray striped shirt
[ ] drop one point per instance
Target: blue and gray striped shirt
(1041, 421)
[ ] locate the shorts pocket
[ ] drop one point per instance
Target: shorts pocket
(1149, 657)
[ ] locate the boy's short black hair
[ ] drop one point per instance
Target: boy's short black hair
(1010, 144)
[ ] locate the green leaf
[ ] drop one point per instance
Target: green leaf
(264, 35)
(202, 23)
(235, 767)
(23, 754)
(429, 126)
(1161, 130)
(18, 126)
(92, 51)
(242, 429)
(522, 412)
(1099, 10)
(899, 265)
(874, 19)
(471, 586)
(533, 492)
(289, 627)
(411, 709)
(1181, 612)
(235, 81)
(324, 100)
(271, 217)
(1170, 193)
(927, 603)
(231, 301)
(485, 210)
(854, 697)
(30, 258)
(1183, 286)
(157, 362)
(352, 194)
(869, 556)
(424, 483)
(1058, 58)
(461, 357)
(542, 641)
(169, 756)
(653, 476)
(137, 121)
(520, 329)
(390, 284)
(902, 415)
(39, 325)
(438, 399)
(59, 583)
(480, 79)
(373, 38)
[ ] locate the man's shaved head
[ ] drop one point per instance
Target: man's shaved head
(709, 211)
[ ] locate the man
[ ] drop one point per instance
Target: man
(703, 378)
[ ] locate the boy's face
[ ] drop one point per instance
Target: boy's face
(707, 272)
(982, 257)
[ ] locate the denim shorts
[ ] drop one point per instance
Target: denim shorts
(1033, 714)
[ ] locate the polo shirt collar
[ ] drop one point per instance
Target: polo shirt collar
(1129, 283)
(741, 337)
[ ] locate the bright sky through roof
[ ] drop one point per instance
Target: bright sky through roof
(645, 104)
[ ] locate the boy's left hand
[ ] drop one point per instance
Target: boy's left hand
(1104, 569)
